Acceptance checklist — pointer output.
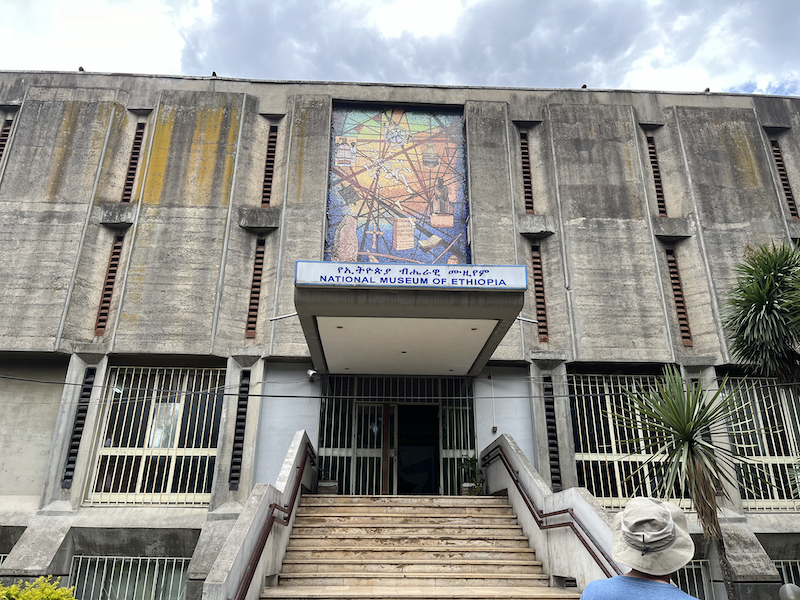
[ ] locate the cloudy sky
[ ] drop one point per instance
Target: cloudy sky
(747, 46)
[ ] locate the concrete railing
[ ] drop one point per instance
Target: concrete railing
(582, 550)
(241, 569)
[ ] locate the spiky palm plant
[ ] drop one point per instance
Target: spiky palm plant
(677, 423)
(763, 312)
(763, 318)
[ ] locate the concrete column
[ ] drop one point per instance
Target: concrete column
(493, 238)
(304, 213)
(708, 379)
(221, 492)
(55, 498)
(566, 445)
(541, 456)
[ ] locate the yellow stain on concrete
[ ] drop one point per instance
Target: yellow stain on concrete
(302, 132)
(202, 156)
(111, 157)
(65, 146)
(199, 180)
(745, 161)
(62, 149)
(157, 164)
(230, 156)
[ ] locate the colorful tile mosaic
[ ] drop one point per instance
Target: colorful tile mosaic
(397, 187)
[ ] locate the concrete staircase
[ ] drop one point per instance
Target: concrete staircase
(410, 547)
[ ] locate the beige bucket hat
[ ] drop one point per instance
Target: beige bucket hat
(651, 536)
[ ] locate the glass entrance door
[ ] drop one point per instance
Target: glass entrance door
(374, 445)
(395, 435)
(418, 449)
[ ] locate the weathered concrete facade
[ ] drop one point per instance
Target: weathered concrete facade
(189, 233)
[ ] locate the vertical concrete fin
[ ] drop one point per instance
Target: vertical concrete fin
(224, 257)
(89, 207)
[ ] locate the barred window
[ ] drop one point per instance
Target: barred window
(607, 453)
(768, 430)
(124, 578)
(157, 440)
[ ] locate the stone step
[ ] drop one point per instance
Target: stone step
(404, 547)
(400, 529)
(317, 592)
(359, 540)
(443, 501)
(413, 579)
(414, 509)
(426, 519)
(400, 553)
(497, 567)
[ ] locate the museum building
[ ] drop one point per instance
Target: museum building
(194, 269)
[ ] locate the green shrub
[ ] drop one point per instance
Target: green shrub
(41, 589)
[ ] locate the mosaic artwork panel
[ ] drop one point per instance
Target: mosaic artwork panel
(397, 187)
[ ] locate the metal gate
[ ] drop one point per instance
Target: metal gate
(359, 429)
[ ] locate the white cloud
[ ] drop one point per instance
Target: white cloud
(100, 35)
(640, 44)
(694, 54)
(431, 18)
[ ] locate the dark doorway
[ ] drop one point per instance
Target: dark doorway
(418, 449)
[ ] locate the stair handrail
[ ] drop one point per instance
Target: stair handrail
(576, 525)
(287, 509)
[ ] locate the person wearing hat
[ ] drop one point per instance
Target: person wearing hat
(651, 537)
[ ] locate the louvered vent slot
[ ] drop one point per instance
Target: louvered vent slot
(269, 166)
(4, 133)
(527, 184)
(662, 204)
(255, 290)
(77, 427)
(680, 302)
(784, 176)
(552, 433)
(538, 292)
(108, 287)
(238, 432)
(133, 163)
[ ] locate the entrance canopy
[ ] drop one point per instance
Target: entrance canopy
(396, 319)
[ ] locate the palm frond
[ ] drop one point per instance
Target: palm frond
(672, 423)
(763, 312)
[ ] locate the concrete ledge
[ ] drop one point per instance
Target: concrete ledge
(672, 229)
(536, 226)
(773, 113)
(793, 226)
(118, 216)
(35, 552)
(259, 220)
(697, 361)
(548, 359)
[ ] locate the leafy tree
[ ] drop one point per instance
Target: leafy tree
(677, 422)
(41, 589)
(763, 312)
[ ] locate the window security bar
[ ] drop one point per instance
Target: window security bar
(770, 434)
(695, 580)
(157, 438)
(605, 455)
(128, 578)
(768, 430)
(789, 570)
